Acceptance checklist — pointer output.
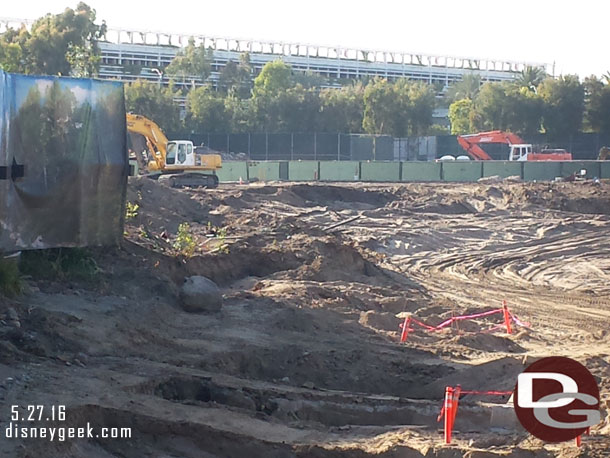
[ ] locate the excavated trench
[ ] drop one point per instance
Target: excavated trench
(319, 409)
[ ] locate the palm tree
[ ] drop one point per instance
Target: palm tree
(531, 77)
(467, 88)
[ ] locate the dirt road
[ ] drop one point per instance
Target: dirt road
(304, 359)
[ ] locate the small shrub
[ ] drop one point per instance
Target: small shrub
(10, 279)
(185, 242)
(131, 211)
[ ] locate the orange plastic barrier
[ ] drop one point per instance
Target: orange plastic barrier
(508, 319)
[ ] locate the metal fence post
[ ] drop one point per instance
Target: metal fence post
(292, 146)
(315, 146)
(338, 146)
(209, 140)
(266, 146)
(374, 147)
(249, 156)
(228, 149)
(399, 149)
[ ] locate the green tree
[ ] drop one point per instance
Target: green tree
(459, 115)
(11, 55)
(530, 78)
(421, 102)
(294, 109)
(56, 44)
(505, 106)
(382, 109)
(275, 77)
(399, 109)
(241, 113)
(309, 79)
(564, 100)
(206, 111)
(490, 108)
(342, 110)
(523, 110)
(192, 62)
(280, 104)
(235, 78)
(603, 110)
(83, 61)
(594, 111)
(467, 88)
(155, 102)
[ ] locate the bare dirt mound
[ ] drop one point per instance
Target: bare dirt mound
(340, 195)
(487, 343)
(160, 207)
(335, 261)
(578, 197)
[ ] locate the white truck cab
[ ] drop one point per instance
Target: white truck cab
(519, 152)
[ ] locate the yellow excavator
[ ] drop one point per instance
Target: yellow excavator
(175, 161)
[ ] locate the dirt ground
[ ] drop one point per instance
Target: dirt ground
(304, 359)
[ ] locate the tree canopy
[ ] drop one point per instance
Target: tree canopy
(155, 102)
(194, 61)
(280, 99)
(529, 105)
(60, 44)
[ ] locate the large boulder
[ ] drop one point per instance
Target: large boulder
(200, 294)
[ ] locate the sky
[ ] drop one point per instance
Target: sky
(571, 35)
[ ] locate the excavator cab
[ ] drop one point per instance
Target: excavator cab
(179, 153)
(519, 152)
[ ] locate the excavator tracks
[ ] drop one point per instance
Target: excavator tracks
(191, 180)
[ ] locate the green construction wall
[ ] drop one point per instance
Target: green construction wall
(592, 168)
(233, 171)
(303, 170)
(264, 171)
(380, 171)
(339, 170)
(501, 168)
(406, 171)
(462, 170)
(421, 171)
(541, 171)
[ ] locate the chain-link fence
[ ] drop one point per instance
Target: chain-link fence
(357, 147)
(295, 146)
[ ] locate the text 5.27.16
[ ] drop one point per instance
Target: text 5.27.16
(38, 413)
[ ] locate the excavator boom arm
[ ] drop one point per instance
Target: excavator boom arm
(473, 150)
(471, 142)
(156, 140)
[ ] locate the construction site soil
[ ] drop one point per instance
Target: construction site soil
(304, 358)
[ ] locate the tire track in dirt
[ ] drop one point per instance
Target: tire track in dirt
(560, 262)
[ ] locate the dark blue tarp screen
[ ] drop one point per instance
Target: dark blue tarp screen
(63, 162)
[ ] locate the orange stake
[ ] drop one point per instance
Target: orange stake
(579, 438)
(454, 406)
(448, 414)
(509, 329)
(405, 329)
